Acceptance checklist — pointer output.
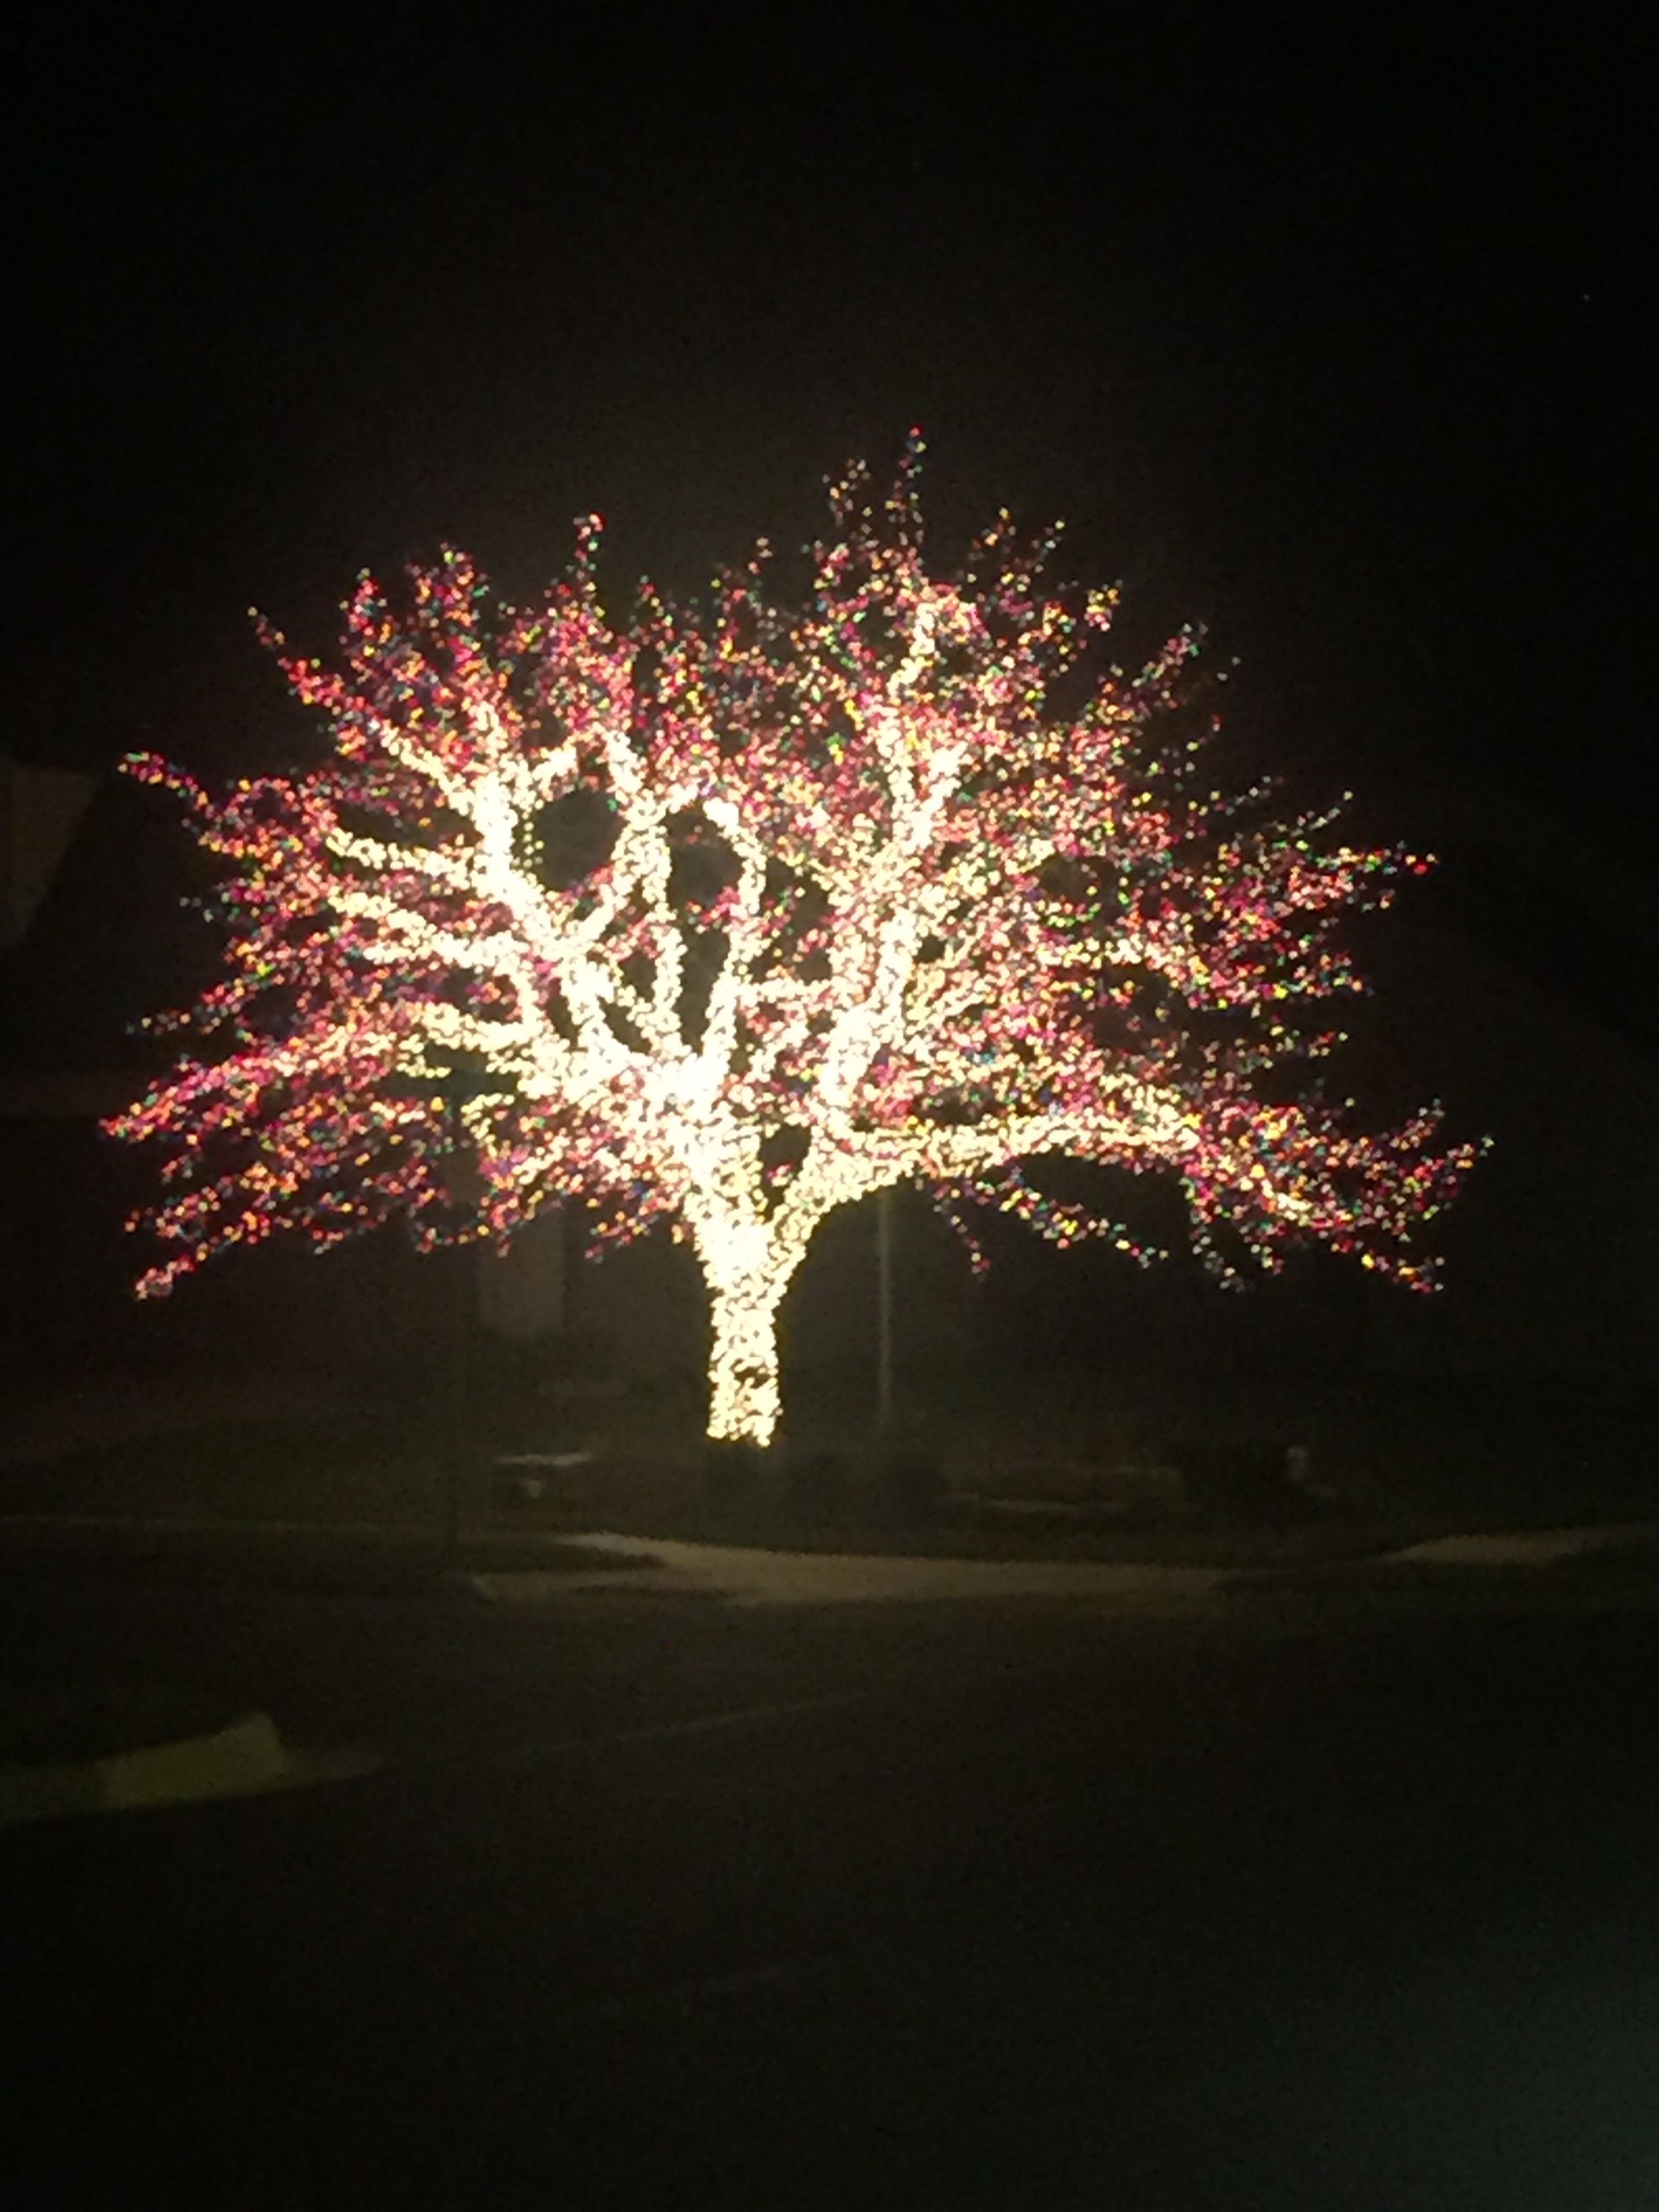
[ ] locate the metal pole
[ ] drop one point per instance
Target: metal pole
(461, 1319)
(456, 1456)
(885, 1309)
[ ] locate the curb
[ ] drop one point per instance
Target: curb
(1523, 1547)
(747, 1575)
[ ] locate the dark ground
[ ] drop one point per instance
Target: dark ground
(1392, 1459)
(1031, 1910)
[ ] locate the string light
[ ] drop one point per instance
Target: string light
(874, 909)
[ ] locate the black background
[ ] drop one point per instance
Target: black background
(1331, 330)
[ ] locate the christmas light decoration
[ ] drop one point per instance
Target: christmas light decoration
(727, 916)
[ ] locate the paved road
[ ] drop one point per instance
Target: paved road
(658, 1903)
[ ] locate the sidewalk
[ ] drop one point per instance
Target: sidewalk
(747, 1576)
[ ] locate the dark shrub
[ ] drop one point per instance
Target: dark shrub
(817, 1484)
(734, 1475)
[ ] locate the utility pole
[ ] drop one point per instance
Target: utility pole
(454, 1085)
(885, 1309)
(460, 1347)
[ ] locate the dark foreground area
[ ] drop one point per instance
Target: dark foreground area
(654, 1903)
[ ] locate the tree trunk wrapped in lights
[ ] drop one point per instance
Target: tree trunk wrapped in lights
(731, 916)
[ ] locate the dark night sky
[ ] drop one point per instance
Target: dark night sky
(1333, 330)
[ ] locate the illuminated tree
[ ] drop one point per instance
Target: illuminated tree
(729, 917)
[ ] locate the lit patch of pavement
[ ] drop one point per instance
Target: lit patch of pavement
(246, 1756)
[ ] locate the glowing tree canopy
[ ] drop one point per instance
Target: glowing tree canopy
(730, 916)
